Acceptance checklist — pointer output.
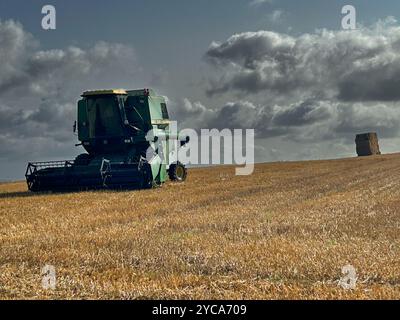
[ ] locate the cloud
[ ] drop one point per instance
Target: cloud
(314, 89)
(39, 89)
(308, 112)
(256, 3)
(361, 65)
(362, 117)
(276, 16)
(304, 122)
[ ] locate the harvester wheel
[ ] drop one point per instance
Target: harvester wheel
(83, 159)
(156, 183)
(146, 183)
(147, 179)
(177, 172)
(33, 185)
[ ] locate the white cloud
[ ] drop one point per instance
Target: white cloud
(39, 89)
(260, 2)
(315, 89)
(276, 16)
(361, 65)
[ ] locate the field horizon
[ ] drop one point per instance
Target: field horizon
(284, 232)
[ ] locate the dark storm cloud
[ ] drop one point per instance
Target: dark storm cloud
(308, 112)
(39, 89)
(249, 48)
(309, 121)
(240, 115)
(380, 83)
(360, 65)
(268, 121)
(360, 117)
(312, 88)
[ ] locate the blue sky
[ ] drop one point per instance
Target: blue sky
(136, 20)
(166, 45)
(169, 30)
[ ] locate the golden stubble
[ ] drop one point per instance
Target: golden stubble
(284, 232)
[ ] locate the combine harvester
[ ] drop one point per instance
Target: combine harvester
(113, 127)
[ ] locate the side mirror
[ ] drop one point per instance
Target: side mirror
(74, 127)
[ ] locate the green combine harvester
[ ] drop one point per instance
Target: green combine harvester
(126, 135)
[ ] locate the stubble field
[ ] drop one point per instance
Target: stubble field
(284, 232)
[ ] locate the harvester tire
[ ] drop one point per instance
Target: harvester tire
(147, 179)
(33, 184)
(156, 184)
(83, 159)
(177, 172)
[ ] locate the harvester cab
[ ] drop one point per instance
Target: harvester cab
(125, 135)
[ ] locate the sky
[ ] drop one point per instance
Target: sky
(283, 67)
